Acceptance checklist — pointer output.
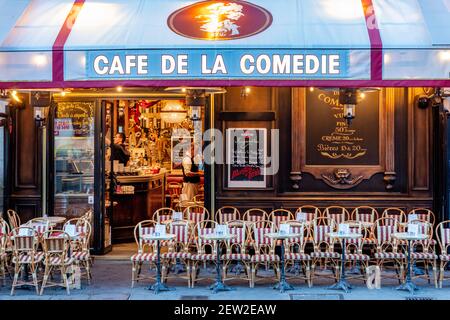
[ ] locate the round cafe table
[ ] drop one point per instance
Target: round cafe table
(218, 285)
(342, 284)
(408, 285)
(53, 221)
(282, 285)
(158, 286)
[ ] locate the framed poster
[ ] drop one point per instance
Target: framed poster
(246, 154)
(179, 145)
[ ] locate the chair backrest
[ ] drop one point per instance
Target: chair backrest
(364, 214)
(199, 198)
(25, 240)
(355, 244)
(278, 215)
(301, 228)
(56, 244)
(240, 230)
(4, 235)
(41, 225)
(254, 214)
(227, 213)
(423, 214)
(321, 227)
(443, 236)
(143, 228)
(196, 213)
(395, 213)
(311, 212)
(183, 233)
(83, 229)
(4, 227)
(338, 214)
(163, 214)
(262, 243)
(203, 228)
(88, 216)
(383, 229)
(13, 218)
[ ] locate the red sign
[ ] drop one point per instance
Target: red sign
(220, 20)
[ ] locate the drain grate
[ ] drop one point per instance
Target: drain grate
(419, 298)
(194, 298)
(317, 296)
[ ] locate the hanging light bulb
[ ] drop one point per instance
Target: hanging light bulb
(173, 112)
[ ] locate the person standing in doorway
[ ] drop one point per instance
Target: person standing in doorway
(118, 149)
(191, 173)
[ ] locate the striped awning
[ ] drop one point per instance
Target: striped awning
(105, 43)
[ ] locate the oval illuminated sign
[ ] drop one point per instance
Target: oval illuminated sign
(220, 20)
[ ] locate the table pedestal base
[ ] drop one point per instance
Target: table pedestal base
(408, 286)
(283, 286)
(341, 285)
(158, 287)
(220, 286)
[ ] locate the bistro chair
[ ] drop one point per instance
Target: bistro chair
(80, 245)
(196, 214)
(423, 251)
(174, 191)
(279, 215)
(354, 255)
(163, 215)
(146, 250)
(264, 248)
(13, 218)
(178, 254)
(206, 249)
(367, 215)
(295, 255)
(4, 242)
(323, 244)
(25, 254)
(41, 225)
(254, 214)
(236, 252)
(338, 214)
(56, 244)
(423, 214)
(226, 214)
(387, 252)
(397, 214)
(310, 213)
(443, 238)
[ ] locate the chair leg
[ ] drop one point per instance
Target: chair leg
(35, 282)
(435, 274)
(308, 274)
(249, 274)
(193, 274)
(44, 281)
(16, 277)
(88, 272)
(133, 274)
(64, 276)
(253, 276)
(189, 274)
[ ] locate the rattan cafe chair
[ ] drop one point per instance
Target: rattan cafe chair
(443, 237)
(227, 213)
(163, 215)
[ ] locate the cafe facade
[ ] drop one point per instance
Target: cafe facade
(347, 101)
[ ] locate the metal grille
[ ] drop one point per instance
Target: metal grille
(317, 296)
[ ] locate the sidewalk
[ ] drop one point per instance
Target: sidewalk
(112, 281)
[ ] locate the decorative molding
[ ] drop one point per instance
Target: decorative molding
(342, 178)
(296, 177)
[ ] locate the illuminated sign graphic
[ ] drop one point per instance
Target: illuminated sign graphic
(220, 20)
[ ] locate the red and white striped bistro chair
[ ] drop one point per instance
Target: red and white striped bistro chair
(206, 249)
(236, 252)
(13, 218)
(40, 225)
(163, 215)
(279, 215)
(310, 213)
(264, 248)
(354, 255)
(80, 245)
(178, 251)
(56, 245)
(255, 214)
(423, 251)
(227, 213)
(338, 214)
(295, 251)
(398, 215)
(323, 253)
(25, 244)
(367, 215)
(146, 250)
(387, 252)
(443, 238)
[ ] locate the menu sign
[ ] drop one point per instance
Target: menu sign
(246, 154)
(74, 119)
(331, 141)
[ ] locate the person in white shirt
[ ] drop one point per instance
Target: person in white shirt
(191, 173)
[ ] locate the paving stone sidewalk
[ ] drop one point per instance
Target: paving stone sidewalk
(112, 281)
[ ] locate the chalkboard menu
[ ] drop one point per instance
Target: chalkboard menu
(75, 119)
(246, 154)
(180, 145)
(331, 141)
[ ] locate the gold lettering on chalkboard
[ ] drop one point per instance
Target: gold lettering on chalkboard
(343, 142)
